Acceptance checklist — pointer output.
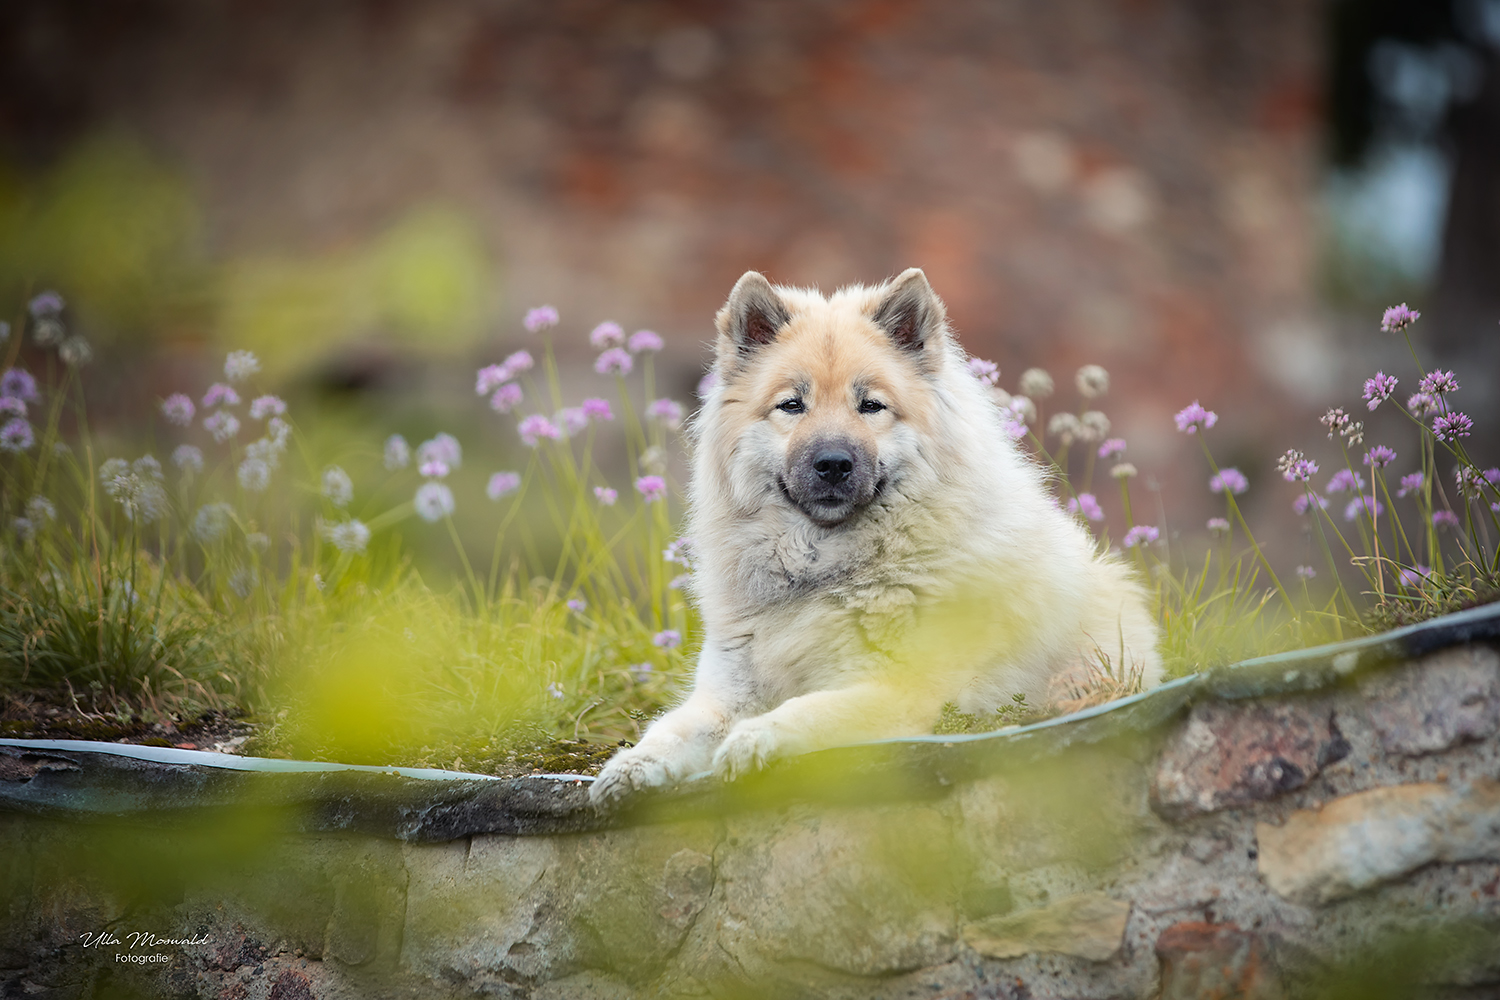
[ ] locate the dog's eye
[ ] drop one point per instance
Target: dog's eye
(871, 406)
(792, 405)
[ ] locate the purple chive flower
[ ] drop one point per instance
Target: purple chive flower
(434, 501)
(1305, 572)
(1344, 479)
(520, 361)
(668, 411)
(1301, 504)
(1294, 468)
(1218, 526)
(1410, 484)
(606, 496)
(1470, 481)
(506, 398)
(1414, 575)
(1112, 447)
(597, 409)
(606, 335)
(614, 361)
(1422, 404)
(1451, 426)
(240, 365)
(17, 383)
(667, 639)
(16, 435)
(502, 483)
(1141, 534)
(12, 406)
(1438, 383)
(1230, 479)
(1444, 519)
(1193, 418)
(220, 394)
(641, 672)
(178, 409)
(222, 424)
(645, 340)
(1379, 457)
(434, 468)
(651, 488)
(706, 384)
(45, 305)
(1363, 505)
(1398, 318)
(572, 420)
(442, 447)
(1379, 389)
(539, 319)
(262, 407)
(578, 605)
(490, 378)
(1087, 505)
(536, 427)
(985, 371)
(681, 551)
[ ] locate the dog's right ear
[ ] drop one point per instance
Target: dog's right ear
(752, 316)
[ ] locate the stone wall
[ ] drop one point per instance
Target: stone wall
(1316, 825)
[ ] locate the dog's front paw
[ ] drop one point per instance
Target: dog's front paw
(749, 747)
(630, 770)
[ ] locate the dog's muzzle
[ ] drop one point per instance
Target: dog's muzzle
(830, 480)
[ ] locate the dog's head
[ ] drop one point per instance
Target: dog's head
(828, 398)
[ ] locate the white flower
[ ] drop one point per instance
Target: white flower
(1092, 381)
(434, 501)
(212, 522)
(40, 509)
(337, 486)
(222, 424)
(254, 475)
(348, 536)
(1036, 383)
(264, 450)
(397, 452)
(442, 448)
(262, 407)
(240, 365)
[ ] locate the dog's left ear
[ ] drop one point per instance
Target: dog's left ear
(911, 313)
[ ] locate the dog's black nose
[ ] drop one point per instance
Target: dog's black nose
(833, 466)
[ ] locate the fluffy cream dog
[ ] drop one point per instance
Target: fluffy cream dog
(871, 544)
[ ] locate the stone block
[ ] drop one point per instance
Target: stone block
(866, 892)
(1089, 925)
(1448, 698)
(1233, 754)
(1200, 960)
(470, 902)
(1361, 840)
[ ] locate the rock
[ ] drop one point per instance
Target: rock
(1230, 755)
(1361, 840)
(1089, 925)
(1444, 699)
(687, 882)
(1215, 960)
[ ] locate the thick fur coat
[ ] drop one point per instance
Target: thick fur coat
(871, 543)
